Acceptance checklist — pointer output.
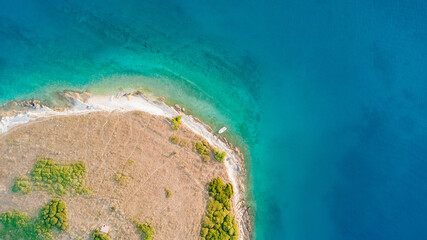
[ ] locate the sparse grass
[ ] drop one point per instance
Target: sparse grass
(168, 193)
(137, 113)
(55, 178)
(219, 223)
(9, 140)
(121, 178)
(174, 139)
(18, 225)
(145, 229)
(206, 158)
(183, 142)
(203, 148)
(130, 162)
(219, 155)
(176, 122)
(178, 140)
(97, 235)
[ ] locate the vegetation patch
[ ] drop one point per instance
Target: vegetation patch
(176, 122)
(18, 225)
(138, 113)
(121, 178)
(55, 215)
(22, 184)
(219, 155)
(130, 162)
(53, 177)
(179, 141)
(219, 223)
(9, 140)
(168, 193)
(145, 229)
(203, 148)
(97, 235)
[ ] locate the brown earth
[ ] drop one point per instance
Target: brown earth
(135, 143)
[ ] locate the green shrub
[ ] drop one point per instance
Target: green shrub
(17, 225)
(97, 235)
(203, 148)
(54, 178)
(23, 184)
(55, 215)
(14, 219)
(219, 155)
(219, 223)
(146, 230)
(176, 122)
(168, 193)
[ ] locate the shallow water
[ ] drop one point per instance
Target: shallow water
(328, 97)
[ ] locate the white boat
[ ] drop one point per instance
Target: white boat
(223, 129)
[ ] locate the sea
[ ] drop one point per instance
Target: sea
(326, 98)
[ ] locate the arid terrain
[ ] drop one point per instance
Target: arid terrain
(134, 144)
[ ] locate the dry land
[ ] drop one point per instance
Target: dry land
(133, 171)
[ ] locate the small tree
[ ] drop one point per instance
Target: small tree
(219, 155)
(176, 122)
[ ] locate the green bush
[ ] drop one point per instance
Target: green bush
(17, 225)
(176, 122)
(23, 184)
(146, 230)
(14, 219)
(219, 155)
(219, 223)
(97, 235)
(203, 148)
(55, 215)
(54, 178)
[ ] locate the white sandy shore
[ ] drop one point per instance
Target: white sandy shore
(109, 103)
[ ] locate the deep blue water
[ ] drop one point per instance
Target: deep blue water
(327, 96)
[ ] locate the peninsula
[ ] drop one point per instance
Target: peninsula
(117, 167)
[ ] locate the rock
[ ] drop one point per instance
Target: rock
(177, 108)
(137, 92)
(183, 109)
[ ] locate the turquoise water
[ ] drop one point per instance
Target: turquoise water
(327, 97)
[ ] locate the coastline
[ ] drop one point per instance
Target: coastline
(79, 103)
